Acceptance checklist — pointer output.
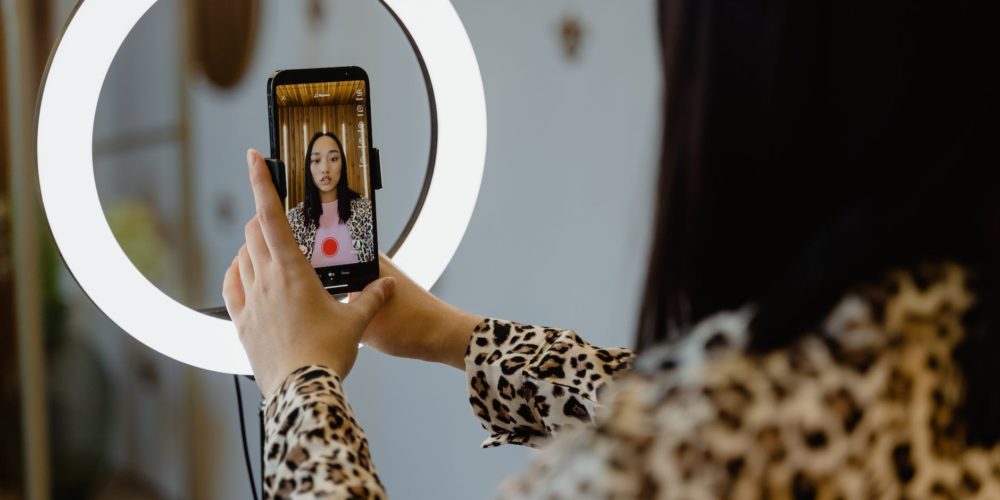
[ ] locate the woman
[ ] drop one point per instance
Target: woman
(821, 313)
(333, 225)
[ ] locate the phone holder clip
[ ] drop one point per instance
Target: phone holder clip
(376, 169)
(277, 169)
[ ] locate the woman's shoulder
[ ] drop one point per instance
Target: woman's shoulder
(882, 351)
(298, 211)
(866, 318)
(718, 337)
(360, 202)
(361, 208)
(297, 216)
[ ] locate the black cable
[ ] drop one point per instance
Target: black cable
(261, 414)
(243, 434)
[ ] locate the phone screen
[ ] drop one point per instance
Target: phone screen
(323, 138)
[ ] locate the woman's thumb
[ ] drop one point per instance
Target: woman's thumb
(374, 296)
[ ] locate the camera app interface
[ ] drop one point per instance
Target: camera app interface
(322, 137)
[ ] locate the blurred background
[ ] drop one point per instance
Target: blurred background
(559, 235)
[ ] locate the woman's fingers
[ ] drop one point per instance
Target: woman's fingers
(270, 213)
(247, 273)
(256, 245)
(386, 269)
(373, 297)
(232, 290)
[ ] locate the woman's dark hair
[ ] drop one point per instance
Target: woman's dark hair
(810, 146)
(312, 204)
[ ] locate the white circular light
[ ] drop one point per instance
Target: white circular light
(91, 252)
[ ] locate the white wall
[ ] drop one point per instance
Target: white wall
(552, 241)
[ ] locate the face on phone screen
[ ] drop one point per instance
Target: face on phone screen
(323, 140)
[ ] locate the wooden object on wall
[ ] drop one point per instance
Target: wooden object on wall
(225, 32)
(11, 472)
(41, 15)
(21, 72)
(571, 34)
(317, 13)
(297, 107)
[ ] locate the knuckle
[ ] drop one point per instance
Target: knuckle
(264, 215)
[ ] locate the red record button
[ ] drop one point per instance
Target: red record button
(330, 247)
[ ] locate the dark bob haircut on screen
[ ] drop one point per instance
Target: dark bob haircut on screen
(811, 146)
(313, 205)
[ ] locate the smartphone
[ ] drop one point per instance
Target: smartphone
(327, 171)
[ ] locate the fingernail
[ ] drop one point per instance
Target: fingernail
(250, 158)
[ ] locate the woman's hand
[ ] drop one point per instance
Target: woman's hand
(285, 318)
(415, 324)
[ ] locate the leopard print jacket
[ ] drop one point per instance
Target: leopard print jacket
(360, 225)
(861, 408)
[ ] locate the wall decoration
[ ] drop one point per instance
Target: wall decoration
(40, 12)
(11, 468)
(316, 14)
(225, 32)
(571, 33)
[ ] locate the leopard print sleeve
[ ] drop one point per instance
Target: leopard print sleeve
(644, 442)
(313, 446)
(526, 383)
(304, 232)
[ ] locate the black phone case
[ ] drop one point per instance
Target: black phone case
(354, 277)
(277, 170)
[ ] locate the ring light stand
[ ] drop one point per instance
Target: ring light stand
(66, 113)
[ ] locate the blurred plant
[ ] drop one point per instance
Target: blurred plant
(53, 305)
(79, 395)
(136, 230)
(79, 386)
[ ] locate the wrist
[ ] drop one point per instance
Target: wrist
(454, 332)
(340, 366)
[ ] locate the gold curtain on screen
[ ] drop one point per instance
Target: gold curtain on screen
(304, 110)
(300, 124)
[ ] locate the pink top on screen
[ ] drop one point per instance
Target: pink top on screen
(333, 245)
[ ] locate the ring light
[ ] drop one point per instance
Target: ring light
(69, 195)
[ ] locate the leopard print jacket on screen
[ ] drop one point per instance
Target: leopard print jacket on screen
(860, 408)
(360, 225)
